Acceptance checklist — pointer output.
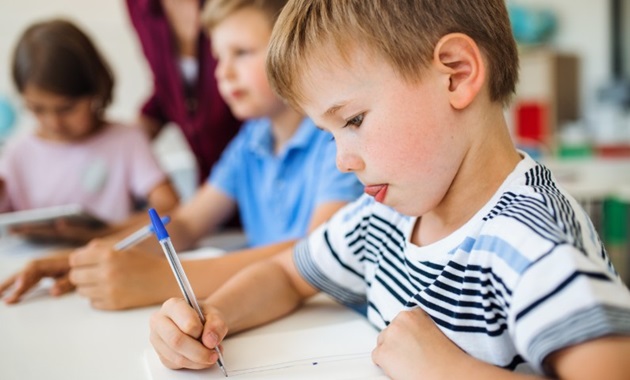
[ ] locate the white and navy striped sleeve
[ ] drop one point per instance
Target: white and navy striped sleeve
(332, 263)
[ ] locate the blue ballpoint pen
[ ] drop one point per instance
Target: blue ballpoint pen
(138, 236)
(180, 275)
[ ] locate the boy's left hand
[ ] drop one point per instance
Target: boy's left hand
(412, 344)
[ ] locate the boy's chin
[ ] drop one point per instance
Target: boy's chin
(245, 113)
(404, 209)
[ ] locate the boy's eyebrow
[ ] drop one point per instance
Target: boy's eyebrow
(333, 110)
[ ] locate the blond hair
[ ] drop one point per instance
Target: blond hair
(216, 11)
(403, 32)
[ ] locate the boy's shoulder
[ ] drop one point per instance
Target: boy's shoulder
(532, 215)
(532, 196)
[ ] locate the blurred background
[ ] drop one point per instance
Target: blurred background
(109, 27)
(572, 109)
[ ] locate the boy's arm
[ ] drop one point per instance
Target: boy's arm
(261, 293)
(189, 222)
(413, 344)
(134, 278)
(203, 214)
(603, 358)
(163, 197)
(258, 294)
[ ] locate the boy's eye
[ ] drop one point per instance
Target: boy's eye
(241, 52)
(355, 121)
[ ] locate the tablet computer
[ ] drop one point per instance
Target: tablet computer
(73, 213)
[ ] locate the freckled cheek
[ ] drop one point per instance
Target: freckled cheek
(412, 156)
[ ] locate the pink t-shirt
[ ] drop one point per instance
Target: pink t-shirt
(104, 173)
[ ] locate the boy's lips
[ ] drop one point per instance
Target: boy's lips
(237, 94)
(377, 191)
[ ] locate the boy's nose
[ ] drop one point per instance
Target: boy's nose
(348, 162)
(223, 70)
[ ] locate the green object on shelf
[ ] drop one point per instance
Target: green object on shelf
(616, 226)
(575, 151)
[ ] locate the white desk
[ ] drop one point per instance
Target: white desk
(64, 338)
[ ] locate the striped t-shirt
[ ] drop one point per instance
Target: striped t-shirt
(527, 275)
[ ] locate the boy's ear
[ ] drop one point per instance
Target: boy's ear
(457, 56)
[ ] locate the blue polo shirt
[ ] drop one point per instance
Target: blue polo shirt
(277, 194)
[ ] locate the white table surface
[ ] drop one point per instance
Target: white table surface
(64, 338)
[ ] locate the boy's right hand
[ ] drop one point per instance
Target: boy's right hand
(56, 266)
(175, 332)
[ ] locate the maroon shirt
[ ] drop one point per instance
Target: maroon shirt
(200, 112)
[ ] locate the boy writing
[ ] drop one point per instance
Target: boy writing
(465, 249)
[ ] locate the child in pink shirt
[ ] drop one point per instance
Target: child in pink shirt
(73, 155)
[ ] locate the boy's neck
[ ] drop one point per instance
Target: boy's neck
(490, 159)
(284, 124)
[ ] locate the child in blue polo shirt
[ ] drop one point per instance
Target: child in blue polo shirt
(279, 171)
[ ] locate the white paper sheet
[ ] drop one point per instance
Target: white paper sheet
(324, 341)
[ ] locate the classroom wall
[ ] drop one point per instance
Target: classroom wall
(105, 21)
(583, 29)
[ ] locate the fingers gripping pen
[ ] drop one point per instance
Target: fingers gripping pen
(180, 275)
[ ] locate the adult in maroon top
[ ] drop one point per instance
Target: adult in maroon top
(184, 88)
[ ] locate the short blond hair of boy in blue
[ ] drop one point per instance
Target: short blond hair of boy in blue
(473, 262)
